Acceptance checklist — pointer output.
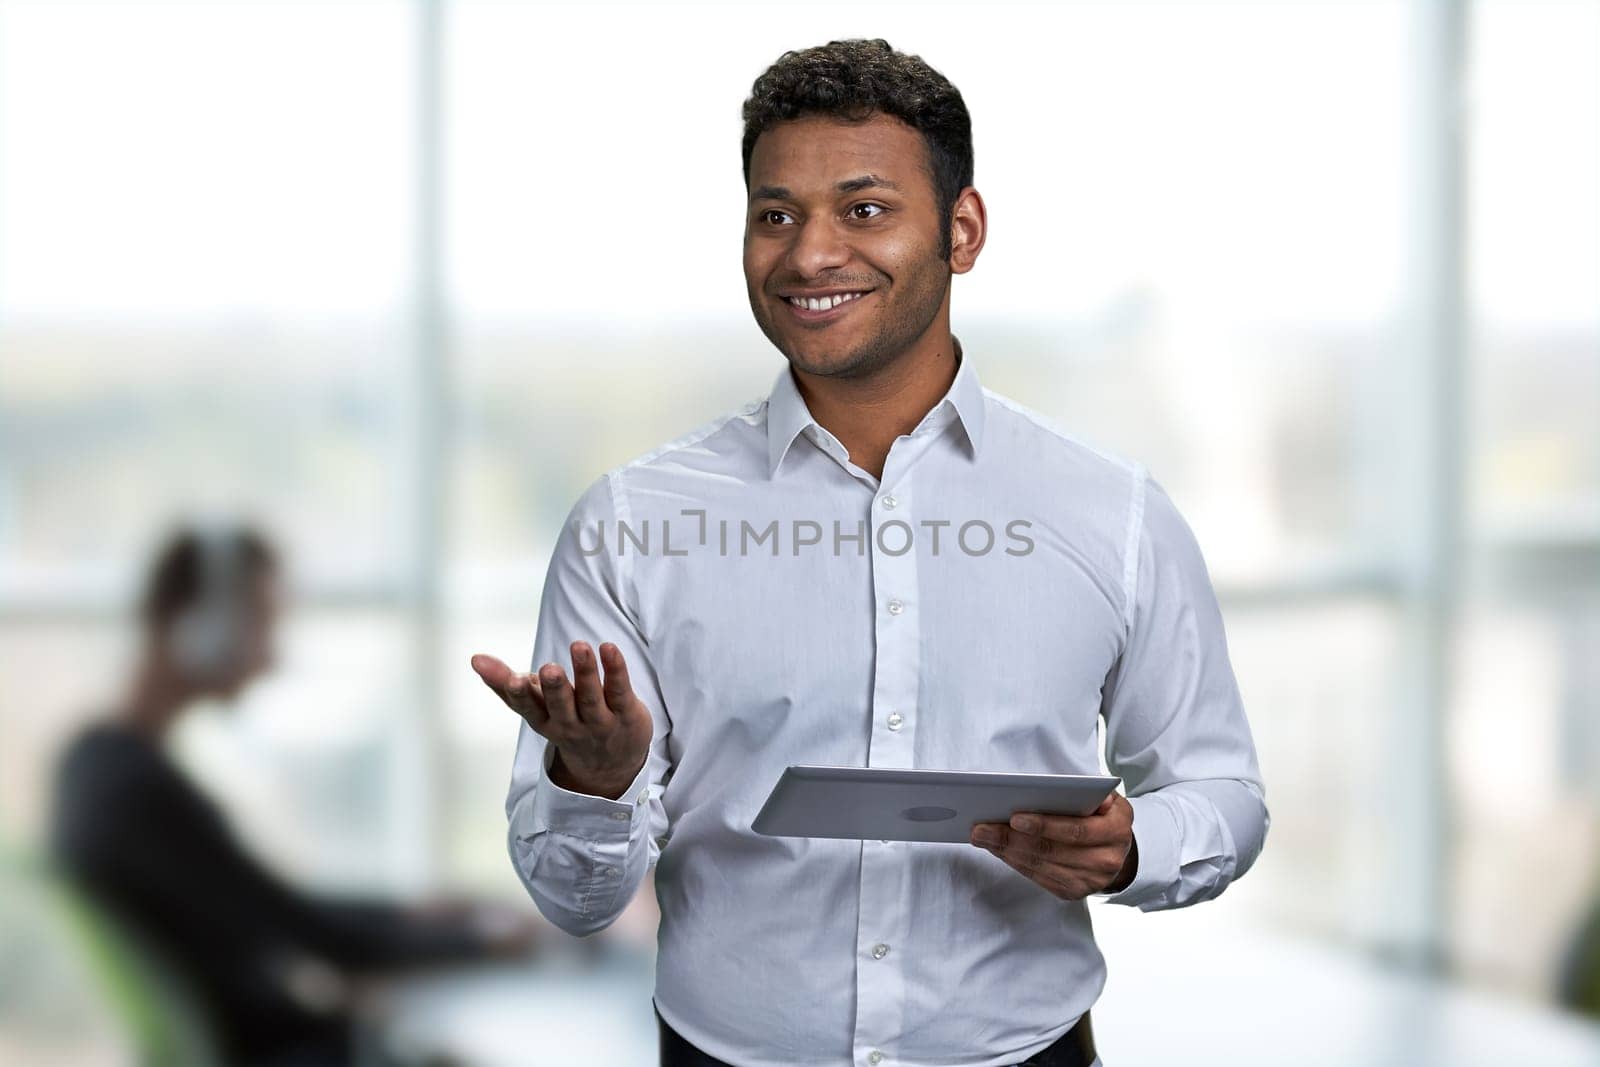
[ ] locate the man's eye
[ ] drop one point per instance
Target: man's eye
(879, 208)
(766, 216)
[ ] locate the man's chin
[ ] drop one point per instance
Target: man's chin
(828, 364)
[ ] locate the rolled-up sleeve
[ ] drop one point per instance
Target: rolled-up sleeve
(1175, 724)
(583, 857)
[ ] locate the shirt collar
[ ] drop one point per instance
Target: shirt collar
(787, 414)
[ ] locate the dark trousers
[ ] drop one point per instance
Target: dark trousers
(1075, 1048)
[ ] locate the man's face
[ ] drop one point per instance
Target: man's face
(256, 619)
(877, 236)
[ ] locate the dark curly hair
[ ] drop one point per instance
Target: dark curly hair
(854, 78)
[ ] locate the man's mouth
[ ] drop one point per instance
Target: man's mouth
(818, 308)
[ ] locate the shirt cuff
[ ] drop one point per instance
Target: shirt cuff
(584, 815)
(1155, 831)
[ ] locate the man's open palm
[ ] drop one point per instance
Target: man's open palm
(601, 730)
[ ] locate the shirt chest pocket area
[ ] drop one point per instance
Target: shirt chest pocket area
(1012, 681)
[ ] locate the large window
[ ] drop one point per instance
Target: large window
(403, 278)
(1524, 736)
(206, 232)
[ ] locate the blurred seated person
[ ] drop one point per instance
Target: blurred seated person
(1579, 982)
(135, 833)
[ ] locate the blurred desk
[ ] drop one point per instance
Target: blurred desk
(1253, 996)
(567, 1008)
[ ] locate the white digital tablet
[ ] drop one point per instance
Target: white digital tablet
(912, 804)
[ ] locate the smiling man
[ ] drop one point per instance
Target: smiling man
(880, 564)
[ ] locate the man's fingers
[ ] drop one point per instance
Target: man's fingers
(546, 696)
(527, 699)
(1060, 881)
(520, 691)
(494, 673)
(591, 702)
(1082, 831)
(1064, 878)
(1068, 839)
(558, 696)
(618, 687)
(1094, 849)
(517, 690)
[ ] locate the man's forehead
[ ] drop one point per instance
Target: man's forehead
(821, 154)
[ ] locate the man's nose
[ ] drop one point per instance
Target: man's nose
(818, 245)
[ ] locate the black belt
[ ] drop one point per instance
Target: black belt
(1075, 1048)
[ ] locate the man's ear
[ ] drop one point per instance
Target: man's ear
(969, 226)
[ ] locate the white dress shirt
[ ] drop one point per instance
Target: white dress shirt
(778, 604)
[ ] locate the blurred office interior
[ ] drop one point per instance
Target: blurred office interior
(399, 279)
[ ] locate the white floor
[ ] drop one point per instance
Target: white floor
(1181, 991)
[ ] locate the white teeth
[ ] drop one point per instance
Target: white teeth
(822, 303)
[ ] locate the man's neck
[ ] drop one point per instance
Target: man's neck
(153, 700)
(868, 414)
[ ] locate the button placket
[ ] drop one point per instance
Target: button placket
(884, 891)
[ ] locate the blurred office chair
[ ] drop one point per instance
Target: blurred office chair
(1580, 972)
(151, 1007)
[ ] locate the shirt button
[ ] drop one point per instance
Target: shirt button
(874, 1057)
(895, 719)
(608, 871)
(880, 950)
(896, 607)
(620, 815)
(890, 502)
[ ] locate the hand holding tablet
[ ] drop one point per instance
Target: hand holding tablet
(1071, 834)
(913, 804)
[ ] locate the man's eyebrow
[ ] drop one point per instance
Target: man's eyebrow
(849, 185)
(866, 181)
